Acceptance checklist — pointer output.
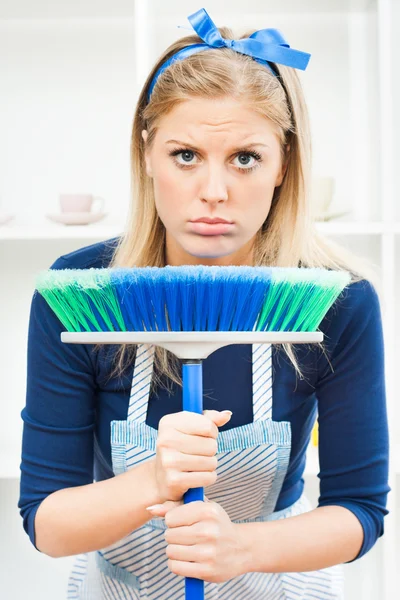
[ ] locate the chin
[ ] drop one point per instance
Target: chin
(210, 253)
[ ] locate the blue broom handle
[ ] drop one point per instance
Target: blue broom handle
(192, 380)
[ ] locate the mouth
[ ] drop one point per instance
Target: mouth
(214, 228)
(211, 221)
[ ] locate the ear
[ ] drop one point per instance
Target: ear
(282, 172)
(146, 155)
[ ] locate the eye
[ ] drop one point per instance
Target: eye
(243, 156)
(187, 155)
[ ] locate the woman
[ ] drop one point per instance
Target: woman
(219, 133)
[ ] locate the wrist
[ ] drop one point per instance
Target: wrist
(246, 561)
(153, 496)
(143, 478)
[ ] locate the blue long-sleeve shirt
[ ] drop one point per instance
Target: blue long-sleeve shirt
(71, 401)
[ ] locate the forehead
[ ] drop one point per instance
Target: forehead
(206, 118)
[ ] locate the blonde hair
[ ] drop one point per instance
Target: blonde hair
(288, 236)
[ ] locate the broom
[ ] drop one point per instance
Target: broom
(191, 311)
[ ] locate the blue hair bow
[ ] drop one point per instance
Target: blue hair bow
(265, 45)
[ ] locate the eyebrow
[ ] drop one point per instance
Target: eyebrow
(242, 147)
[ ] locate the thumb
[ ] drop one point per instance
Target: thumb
(218, 417)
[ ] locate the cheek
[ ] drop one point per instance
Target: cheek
(168, 193)
(260, 182)
(256, 193)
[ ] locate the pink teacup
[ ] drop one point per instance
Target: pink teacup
(79, 202)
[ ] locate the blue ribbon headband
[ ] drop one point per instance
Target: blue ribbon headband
(265, 45)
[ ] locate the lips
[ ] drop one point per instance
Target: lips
(214, 228)
(212, 221)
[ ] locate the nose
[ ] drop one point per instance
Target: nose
(214, 188)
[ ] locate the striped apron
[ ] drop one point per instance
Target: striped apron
(252, 464)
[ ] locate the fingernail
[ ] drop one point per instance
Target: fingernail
(154, 507)
(227, 412)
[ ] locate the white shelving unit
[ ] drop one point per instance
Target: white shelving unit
(71, 73)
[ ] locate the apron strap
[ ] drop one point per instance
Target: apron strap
(140, 391)
(262, 382)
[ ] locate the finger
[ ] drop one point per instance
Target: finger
(182, 535)
(187, 463)
(160, 510)
(189, 569)
(198, 445)
(190, 534)
(195, 553)
(187, 514)
(157, 511)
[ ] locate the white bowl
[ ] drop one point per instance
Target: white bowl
(5, 219)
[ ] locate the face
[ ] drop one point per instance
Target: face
(224, 164)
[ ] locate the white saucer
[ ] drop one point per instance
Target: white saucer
(5, 219)
(76, 218)
(328, 216)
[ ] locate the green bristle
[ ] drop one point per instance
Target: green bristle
(53, 286)
(99, 289)
(312, 290)
(70, 291)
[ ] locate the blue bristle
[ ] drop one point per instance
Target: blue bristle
(203, 298)
(250, 304)
(128, 290)
(240, 309)
(200, 314)
(196, 298)
(144, 296)
(173, 292)
(199, 319)
(157, 299)
(187, 294)
(226, 298)
(215, 300)
(227, 294)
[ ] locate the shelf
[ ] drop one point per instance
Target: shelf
(59, 232)
(358, 227)
(352, 227)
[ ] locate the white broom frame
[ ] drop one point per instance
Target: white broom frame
(195, 345)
